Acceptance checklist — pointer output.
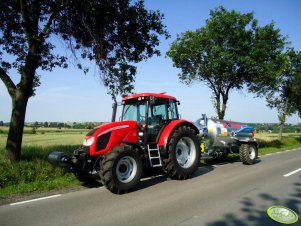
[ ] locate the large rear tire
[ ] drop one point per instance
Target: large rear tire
(248, 153)
(184, 154)
(121, 169)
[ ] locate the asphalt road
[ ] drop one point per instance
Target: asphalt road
(227, 194)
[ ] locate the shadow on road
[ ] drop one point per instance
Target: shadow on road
(92, 184)
(255, 214)
(151, 177)
(231, 158)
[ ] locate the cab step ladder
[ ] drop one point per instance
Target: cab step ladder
(154, 156)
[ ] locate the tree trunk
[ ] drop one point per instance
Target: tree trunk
(223, 111)
(221, 107)
(281, 126)
(15, 134)
(282, 119)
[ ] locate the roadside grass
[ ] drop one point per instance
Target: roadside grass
(274, 145)
(34, 173)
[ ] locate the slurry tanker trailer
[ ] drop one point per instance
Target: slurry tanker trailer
(221, 137)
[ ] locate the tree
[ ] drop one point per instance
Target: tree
(113, 33)
(296, 98)
(230, 51)
(282, 91)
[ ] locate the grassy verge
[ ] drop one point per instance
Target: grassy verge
(267, 146)
(34, 173)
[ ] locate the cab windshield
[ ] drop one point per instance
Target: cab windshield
(164, 109)
(134, 111)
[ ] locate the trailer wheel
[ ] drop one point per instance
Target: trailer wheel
(184, 154)
(121, 169)
(248, 153)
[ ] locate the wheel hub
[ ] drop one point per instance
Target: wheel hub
(186, 152)
(252, 153)
(126, 169)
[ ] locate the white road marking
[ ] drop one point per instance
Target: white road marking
(34, 200)
(291, 173)
(148, 178)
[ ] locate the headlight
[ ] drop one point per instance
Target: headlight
(88, 141)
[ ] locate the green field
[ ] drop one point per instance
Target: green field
(34, 173)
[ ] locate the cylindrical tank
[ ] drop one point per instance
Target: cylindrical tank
(221, 132)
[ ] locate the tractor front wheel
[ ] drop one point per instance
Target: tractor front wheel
(121, 169)
(184, 154)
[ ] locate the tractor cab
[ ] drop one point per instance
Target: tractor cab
(152, 112)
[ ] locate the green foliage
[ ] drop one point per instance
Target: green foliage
(33, 172)
(34, 130)
(231, 50)
(272, 146)
(296, 88)
(282, 89)
(273, 128)
(66, 180)
(114, 34)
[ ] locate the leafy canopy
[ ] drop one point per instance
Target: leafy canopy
(113, 33)
(231, 50)
(283, 90)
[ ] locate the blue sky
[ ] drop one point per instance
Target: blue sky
(69, 95)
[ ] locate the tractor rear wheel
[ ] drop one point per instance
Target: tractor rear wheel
(121, 169)
(248, 153)
(184, 154)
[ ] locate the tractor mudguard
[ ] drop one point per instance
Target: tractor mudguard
(171, 127)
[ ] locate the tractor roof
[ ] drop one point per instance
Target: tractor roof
(158, 95)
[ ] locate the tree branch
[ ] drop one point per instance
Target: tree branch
(46, 28)
(11, 88)
(212, 86)
(26, 23)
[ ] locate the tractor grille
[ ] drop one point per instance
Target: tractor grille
(102, 141)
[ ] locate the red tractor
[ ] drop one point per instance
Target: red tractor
(149, 134)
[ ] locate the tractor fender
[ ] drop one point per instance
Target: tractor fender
(170, 128)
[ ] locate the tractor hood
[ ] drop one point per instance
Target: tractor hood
(107, 136)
